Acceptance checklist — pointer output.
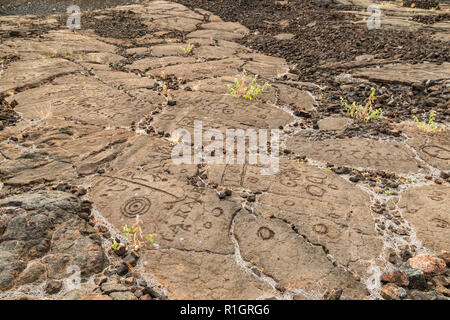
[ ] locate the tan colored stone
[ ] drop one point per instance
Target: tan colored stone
(193, 71)
(333, 123)
(284, 36)
(426, 210)
(406, 74)
(170, 49)
(432, 147)
(59, 42)
(202, 275)
(358, 153)
(272, 245)
(215, 35)
(265, 66)
(191, 228)
(64, 151)
(213, 52)
(85, 99)
(428, 264)
(316, 202)
(99, 57)
(233, 27)
(390, 292)
(125, 80)
(22, 73)
(398, 277)
(155, 63)
(218, 112)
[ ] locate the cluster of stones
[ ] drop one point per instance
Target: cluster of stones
(222, 231)
(422, 278)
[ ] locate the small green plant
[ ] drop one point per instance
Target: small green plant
(187, 50)
(115, 245)
(433, 8)
(248, 91)
(359, 112)
(136, 238)
(431, 126)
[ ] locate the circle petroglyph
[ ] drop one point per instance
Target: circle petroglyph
(289, 203)
(315, 190)
(227, 111)
(217, 212)
(207, 225)
(253, 180)
(136, 206)
(167, 117)
(288, 183)
(314, 179)
(265, 233)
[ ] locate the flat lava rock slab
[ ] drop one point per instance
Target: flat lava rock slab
(358, 153)
(426, 208)
(324, 208)
(406, 73)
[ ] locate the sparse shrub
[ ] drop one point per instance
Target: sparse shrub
(136, 238)
(431, 126)
(187, 50)
(247, 90)
(363, 113)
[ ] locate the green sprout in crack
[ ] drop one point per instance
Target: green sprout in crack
(187, 50)
(431, 126)
(248, 91)
(136, 238)
(364, 113)
(115, 245)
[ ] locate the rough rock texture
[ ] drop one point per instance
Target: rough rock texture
(87, 130)
(428, 264)
(43, 238)
(359, 153)
(313, 202)
(426, 209)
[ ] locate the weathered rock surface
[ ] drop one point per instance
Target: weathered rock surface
(31, 72)
(431, 266)
(286, 256)
(84, 99)
(96, 111)
(192, 233)
(433, 148)
(406, 74)
(43, 238)
(426, 209)
(228, 112)
(358, 153)
(315, 203)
